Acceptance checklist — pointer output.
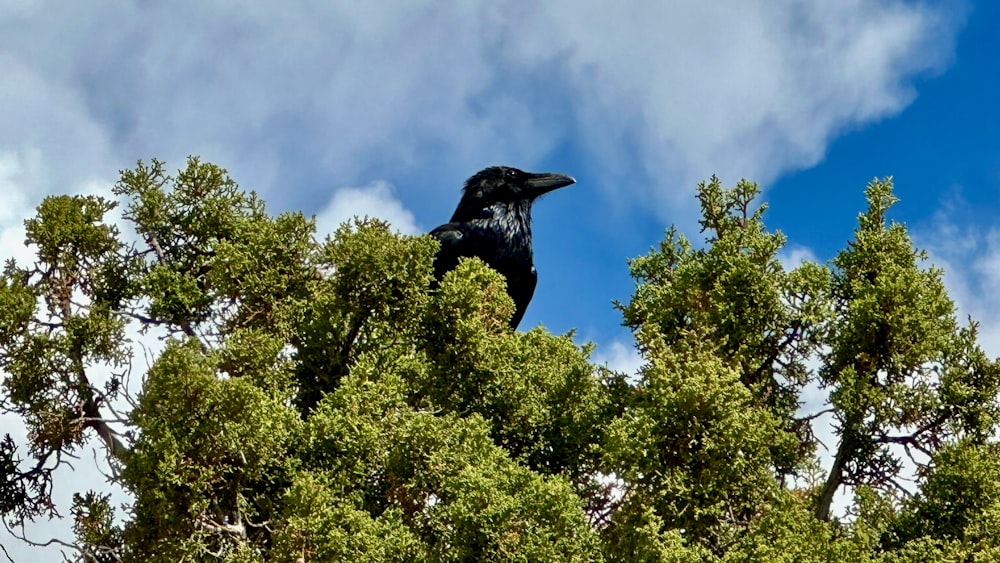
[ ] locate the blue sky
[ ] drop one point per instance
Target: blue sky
(944, 155)
(341, 108)
(942, 148)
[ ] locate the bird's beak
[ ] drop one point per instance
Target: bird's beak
(539, 184)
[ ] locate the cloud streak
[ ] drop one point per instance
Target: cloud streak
(969, 254)
(374, 200)
(657, 95)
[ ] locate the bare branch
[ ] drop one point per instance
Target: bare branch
(53, 541)
(7, 555)
(815, 415)
(237, 529)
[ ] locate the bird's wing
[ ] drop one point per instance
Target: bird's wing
(454, 244)
(521, 288)
(457, 240)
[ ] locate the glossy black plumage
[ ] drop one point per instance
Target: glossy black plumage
(493, 222)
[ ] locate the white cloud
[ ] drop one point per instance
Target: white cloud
(353, 93)
(619, 356)
(748, 90)
(23, 177)
(969, 254)
(18, 7)
(14, 206)
(793, 255)
(374, 200)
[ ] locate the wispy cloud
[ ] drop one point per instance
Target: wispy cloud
(374, 200)
(968, 252)
(792, 256)
(619, 356)
(689, 89)
(658, 95)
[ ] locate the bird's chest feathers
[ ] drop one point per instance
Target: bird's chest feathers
(507, 228)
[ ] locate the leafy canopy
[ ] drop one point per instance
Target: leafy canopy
(315, 400)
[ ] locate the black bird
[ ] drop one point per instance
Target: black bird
(493, 222)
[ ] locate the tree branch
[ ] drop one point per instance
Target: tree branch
(184, 324)
(815, 415)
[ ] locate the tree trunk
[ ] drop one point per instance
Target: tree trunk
(833, 482)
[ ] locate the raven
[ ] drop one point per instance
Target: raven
(493, 223)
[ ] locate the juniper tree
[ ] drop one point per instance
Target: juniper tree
(715, 429)
(313, 400)
(318, 397)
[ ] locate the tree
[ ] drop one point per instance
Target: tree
(902, 371)
(317, 401)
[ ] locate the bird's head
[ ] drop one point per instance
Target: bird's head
(505, 185)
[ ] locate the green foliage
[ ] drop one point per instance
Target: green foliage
(764, 322)
(960, 501)
(319, 525)
(324, 401)
(448, 491)
(902, 372)
(210, 454)
(544, 401)
(94, 523)
(694, 446)
(787, 532)
(373, 302)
